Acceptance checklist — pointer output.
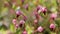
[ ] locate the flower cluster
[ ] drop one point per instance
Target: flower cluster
(40, 9)
(30, 16)
(40, 13)
(21, 22)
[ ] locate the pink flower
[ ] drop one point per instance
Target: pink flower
(44, 10)
(14, 21)
(53, 15)
(24, 32)
(21, 23)
(39, 7)
(26, 6)
(40, 29)
(18, 13)
(52, 26)
(16, 26)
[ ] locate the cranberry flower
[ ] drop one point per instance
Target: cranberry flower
(52, 26)
(53, 15)
(39, 7)
(18, 13)
(44, 10)
(40, 29)
(21, 23)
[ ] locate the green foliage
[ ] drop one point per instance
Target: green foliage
(12, 28)
(58, 22)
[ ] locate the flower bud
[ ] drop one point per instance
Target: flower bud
(40, 29)
(21, 23)
(18, 13)
(53, 16)
(44, 10)
(52, 26)
(26, 6)
(14, 21)
(16, 26)
(39, 7)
